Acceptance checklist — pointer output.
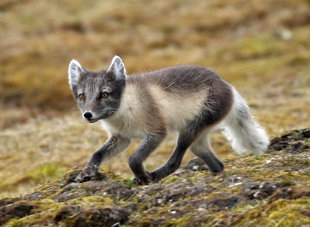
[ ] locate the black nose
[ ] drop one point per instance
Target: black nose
(88, 115)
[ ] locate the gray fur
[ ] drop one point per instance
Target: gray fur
(92, 85)
(112, 147)
(180, 79)
(202, 149)
(139, 105)
(148, 145)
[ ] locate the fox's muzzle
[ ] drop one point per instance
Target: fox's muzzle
(88, 115)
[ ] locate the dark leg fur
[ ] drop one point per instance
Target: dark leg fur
(203, 150)
(214, 164)
(186, 137)
(112, 147)
(148, 145)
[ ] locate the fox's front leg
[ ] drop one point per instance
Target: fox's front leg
(113, 146)
(148, 145)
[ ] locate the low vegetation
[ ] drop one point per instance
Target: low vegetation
(261, 47)
(268, 190)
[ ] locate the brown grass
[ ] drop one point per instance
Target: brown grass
(262, 47)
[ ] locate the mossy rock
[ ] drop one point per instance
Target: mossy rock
(268, 190)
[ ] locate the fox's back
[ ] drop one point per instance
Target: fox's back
(173, 95)
(184, 77)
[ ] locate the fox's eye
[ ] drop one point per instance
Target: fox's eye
(81, 97)
(104, 95)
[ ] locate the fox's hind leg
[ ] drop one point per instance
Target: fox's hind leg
(215, 108)
(202, 148)
(184, 140)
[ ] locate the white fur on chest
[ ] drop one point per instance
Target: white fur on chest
(128, 120)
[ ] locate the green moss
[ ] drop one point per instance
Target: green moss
(184, 221)
(245, 207)
(46, 172)
(259, 46)
(289, 213)
(39, 175)
(170, 179)
(92, 200)
(246, 212)
(128, 182)
(279, 213)
(42, 215)
(287, 182)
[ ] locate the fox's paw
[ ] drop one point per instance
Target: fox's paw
(143, 180)
(89, 174)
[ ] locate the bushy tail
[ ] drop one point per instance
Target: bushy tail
(245, 134)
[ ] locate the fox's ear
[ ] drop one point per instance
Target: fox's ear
(74, 72)
(117, 68)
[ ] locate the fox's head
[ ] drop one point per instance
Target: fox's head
(98, 94)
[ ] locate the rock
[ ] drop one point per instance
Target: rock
(284, 34)
(221, 204)
(68, 211)
(78, 190)
(8, 201)
(19, 209)
(71, 177)
(101, 216)
(306, 133)
(95, 216)
(196, 164)
(290, 193)
(131, 207)
(260, 190)
(292, 142)
(158, 195)
(34, 196)
(119, 191)
(71, 191)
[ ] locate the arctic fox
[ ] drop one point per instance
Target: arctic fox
(190, 100)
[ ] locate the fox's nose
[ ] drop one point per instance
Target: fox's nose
(88, 115)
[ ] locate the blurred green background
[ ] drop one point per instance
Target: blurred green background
(262, 47)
